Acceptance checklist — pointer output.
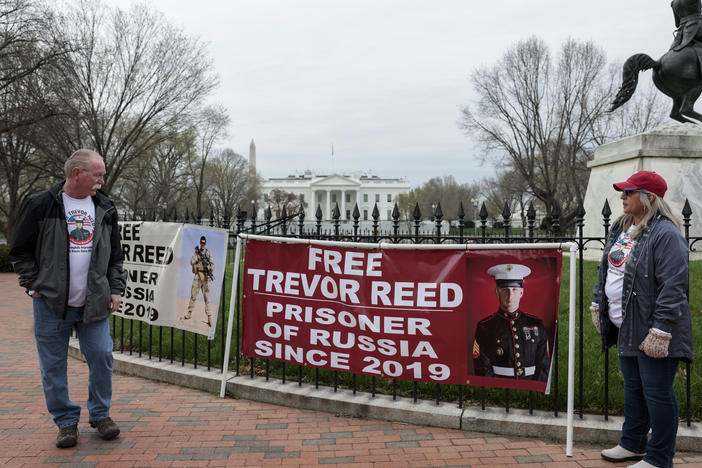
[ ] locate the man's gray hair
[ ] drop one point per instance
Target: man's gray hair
(80, 159)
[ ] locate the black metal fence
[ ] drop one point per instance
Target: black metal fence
(187, 346)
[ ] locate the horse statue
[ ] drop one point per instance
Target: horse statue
(678, 73)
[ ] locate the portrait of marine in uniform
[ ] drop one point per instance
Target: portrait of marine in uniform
(511, 343)
(203, 270)
(79, 233)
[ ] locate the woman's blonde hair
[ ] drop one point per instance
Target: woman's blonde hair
(651, 210)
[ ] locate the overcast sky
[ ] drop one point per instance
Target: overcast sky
(383, 81)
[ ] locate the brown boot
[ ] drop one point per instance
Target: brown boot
(107, 428)
(67, 436)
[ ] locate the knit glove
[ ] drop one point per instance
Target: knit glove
(595, 313)
(655, 344)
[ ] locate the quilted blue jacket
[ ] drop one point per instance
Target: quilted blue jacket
(654, 293)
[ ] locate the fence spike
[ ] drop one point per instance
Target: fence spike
(531, 211)
(556, 210)
(580, 211)
(556, 217)
(225, 219)
(687, 210)
(417, 214)
(506, 212)
(483, 212)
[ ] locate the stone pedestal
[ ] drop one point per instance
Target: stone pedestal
(672, 150)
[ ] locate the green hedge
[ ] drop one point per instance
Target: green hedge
(5, 265)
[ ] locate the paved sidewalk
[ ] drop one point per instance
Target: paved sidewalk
(167, 425)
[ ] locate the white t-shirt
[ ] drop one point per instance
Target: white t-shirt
(80, 222)
(616, 261)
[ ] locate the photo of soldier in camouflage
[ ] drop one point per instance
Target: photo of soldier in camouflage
(203, 269)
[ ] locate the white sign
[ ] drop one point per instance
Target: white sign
(174, 274)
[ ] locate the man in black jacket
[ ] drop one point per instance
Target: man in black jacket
(73, 283)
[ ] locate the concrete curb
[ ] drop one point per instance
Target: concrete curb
(518, 422)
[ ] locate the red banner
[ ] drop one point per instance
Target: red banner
(405, 314)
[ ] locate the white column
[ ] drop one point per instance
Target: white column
(313, 205)
(343, 204)
(327, 215)
(358, 202)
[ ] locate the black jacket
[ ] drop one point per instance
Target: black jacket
(39, 253)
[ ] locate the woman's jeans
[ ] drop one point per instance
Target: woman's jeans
(52, 335)
(650, 403)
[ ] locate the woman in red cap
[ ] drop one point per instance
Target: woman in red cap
(640, 304)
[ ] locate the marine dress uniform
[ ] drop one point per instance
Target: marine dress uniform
(511, 344)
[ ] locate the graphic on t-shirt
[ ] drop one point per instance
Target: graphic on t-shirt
(619, 253)
(80, 228)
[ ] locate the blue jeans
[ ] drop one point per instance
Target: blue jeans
(650, 403)
(52, 335)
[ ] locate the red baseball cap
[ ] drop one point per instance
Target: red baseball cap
(644, 180)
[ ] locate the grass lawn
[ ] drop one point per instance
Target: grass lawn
(593, 368)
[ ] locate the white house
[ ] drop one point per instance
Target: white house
(366, 190)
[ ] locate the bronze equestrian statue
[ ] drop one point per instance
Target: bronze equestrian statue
(678, 73)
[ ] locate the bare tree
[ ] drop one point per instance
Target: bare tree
(406, 203)
(21, 176)
(647, 109)
(127, 85)
(27, 45)
(507, 188)
(27, 49)
(209, 128)
(438, 190)
(447, 192)
(542, 117)
(278, 199)
(157, 181)
(229, 182)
